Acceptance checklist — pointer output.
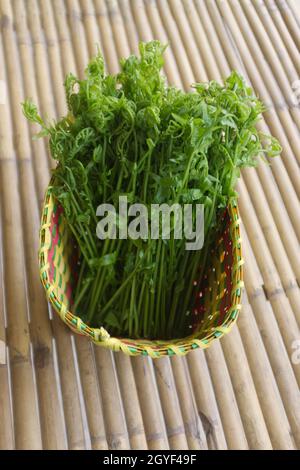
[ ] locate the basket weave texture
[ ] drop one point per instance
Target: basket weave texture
(217, 301)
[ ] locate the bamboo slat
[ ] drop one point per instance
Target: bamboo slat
(106, 36)
(288, 54)
(114, 418)
(68, 380)
(245, 393)
(275, 417)
(40, 160)
(69, 386)
(53, 52)
(203, 42)
(129, 25)
(26, 420)
(249, 252)
(282, 29)
(40, 329)
(280, 216)
(272, 239)
(273, 342)
(274, 289)
(174, 11)
(281, 7)
(62, 30)
(118, 28)
(193, 425)
(91, 393)
(170, 405)
(248, 12)
(229, 412)
(6, 430)
(150, 405)
(206, 402)
(278, 85)
(88, 16)
(131, 403)
(294, 6)
(72, 15)
(46, 90)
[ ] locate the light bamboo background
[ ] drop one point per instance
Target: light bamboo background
(58, 391)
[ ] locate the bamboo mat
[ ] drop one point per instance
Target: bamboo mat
(58, 391)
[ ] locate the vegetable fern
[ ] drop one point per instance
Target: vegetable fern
(131, 134)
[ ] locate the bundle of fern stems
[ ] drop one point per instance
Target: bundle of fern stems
(132, 135)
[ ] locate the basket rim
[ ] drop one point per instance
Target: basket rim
(134, 347)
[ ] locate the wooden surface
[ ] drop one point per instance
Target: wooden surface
(59, 392)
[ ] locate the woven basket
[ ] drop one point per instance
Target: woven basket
(217, 303)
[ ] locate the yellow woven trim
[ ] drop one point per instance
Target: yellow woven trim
(49, 291)
(150, 352)
(45, 248)
(236, 242)
(238, 285)
(223, 329)
(238, 265)
(44, 268)
(101, 334)
(236, 223)
(234, 307)
(63, 310)
(200, 343)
